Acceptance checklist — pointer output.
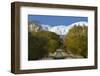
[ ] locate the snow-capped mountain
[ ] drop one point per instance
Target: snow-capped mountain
(46, 27)
(58, 29)
(62, 29)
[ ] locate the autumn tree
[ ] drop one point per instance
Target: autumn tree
(76, 40)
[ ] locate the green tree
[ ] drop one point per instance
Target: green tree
(53, 45)
(36, 47)
(53, 40)
(76, 40)
(42, 43)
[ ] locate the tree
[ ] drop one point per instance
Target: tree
(53, 40)
(76, 40)
(53, 45)
(42, 43)
(36, 47)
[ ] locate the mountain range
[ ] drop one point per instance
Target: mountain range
(59, 29)
(62, 29)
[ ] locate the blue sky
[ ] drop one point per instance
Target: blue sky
(56, 20)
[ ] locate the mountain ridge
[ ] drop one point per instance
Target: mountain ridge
(61, 29)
